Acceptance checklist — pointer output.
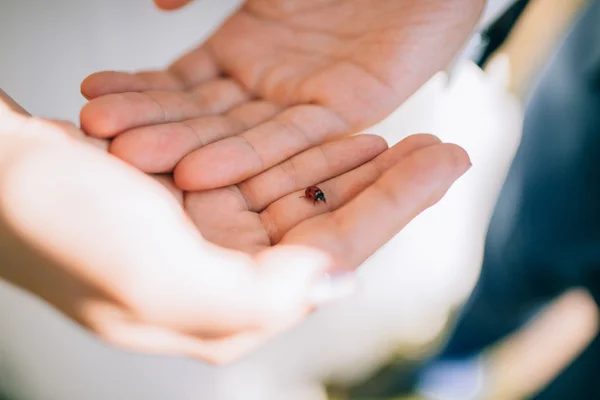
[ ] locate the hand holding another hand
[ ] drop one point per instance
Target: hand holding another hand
(117, 253)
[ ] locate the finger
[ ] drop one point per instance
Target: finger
(171, 4)
(295, 280)
(158, 148)
(225, 215)
(355, 231)
(196, 67)
(338, 190)
(258, 149)
(310, 167)
(109, 82)
(110, 115)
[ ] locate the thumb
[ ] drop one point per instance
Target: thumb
(171, 4)
(228, 292)
(295, 279)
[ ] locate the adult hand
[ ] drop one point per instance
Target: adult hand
(277, 78)
(112, 249)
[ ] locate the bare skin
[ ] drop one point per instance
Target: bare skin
(277, 78)
(112, 249)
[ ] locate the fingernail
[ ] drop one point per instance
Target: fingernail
(331, 287)
(462, 168)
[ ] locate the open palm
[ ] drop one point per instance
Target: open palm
(119, 256)
(276, 79)
(371, 191)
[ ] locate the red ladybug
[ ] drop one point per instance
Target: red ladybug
(315, 194)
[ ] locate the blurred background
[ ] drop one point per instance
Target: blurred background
(369, 346)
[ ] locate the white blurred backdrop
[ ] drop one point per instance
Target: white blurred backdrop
(409, 287)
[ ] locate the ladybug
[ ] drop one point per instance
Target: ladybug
(315, 194)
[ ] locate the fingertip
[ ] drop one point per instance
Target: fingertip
(83, 93)
(88, 87)
(460, 159)
(373, 140)
(111, 114)
(108, 82)
(95, 85)
(441, 166)
(436, 165)
(150, 149)
(168, 5)
(185, 180)
(193, 174)
(421, 140)
(97, 118)
(430, 158)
